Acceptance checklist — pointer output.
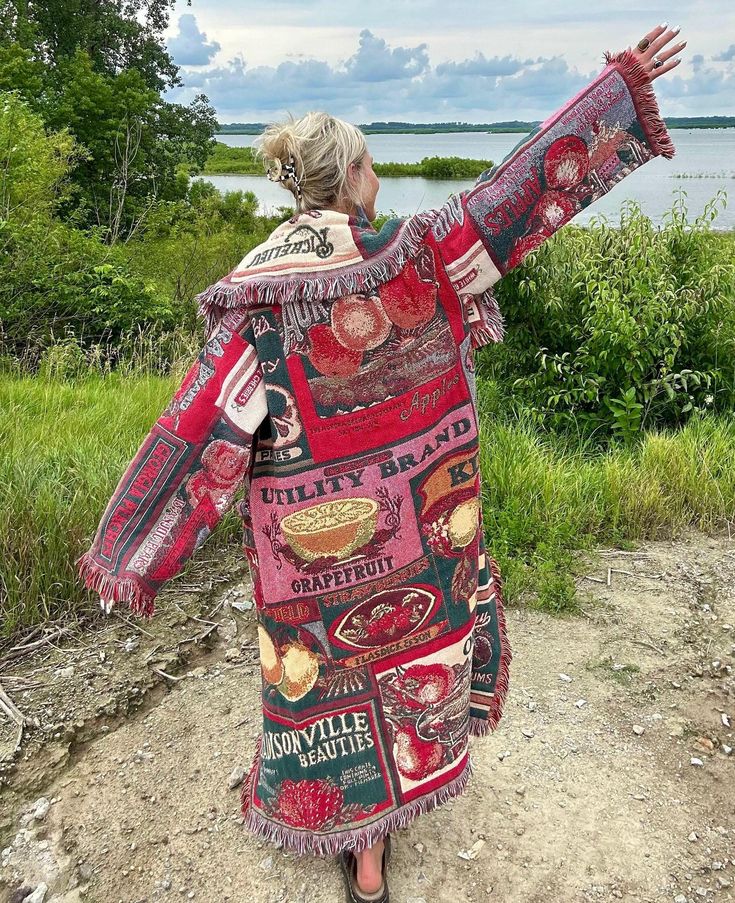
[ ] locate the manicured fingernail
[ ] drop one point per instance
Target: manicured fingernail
(677, 29)
(663, 25)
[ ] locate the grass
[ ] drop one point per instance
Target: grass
(64, 446)
(622, 674)
(702, 175)
(547, 495)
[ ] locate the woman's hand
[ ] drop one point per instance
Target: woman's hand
(650, 47)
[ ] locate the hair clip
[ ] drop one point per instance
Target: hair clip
(280, 172)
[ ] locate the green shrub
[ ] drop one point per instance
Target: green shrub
(63, 361)
(611, 330)
(242, 161)
(436, 168)
(56, 278)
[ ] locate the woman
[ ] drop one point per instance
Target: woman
(336, 387)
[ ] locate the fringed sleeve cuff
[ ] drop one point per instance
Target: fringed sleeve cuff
(111, 586)
(644, 98)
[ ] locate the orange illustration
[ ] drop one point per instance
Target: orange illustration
(293, 668)
(301, 667)
(270, 661)
(463, 523)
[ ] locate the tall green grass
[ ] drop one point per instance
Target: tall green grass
(65, 443)
(546, 495)
(63, 447)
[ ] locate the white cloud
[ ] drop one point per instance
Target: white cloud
(190, 47)
(397, 78)
(726, 55)
(375, 61)
(709, 89)
(481, 65)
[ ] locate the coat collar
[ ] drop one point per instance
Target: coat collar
(319, 255)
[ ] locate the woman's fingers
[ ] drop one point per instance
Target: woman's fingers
(656, 50)
(672, 51)
(654, 33)
(654, 43)
(106, 605)
(665, 68)
(661, 40)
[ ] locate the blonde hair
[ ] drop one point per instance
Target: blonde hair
(321, 148)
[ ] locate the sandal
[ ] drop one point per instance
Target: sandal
(348, 862)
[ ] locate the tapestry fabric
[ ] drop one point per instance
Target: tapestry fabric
(335, 396)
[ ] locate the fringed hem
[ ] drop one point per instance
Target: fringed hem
(479, 727)
(492, 326)
(119, 589)
(356, 839)
(225, 295)
(495, 712)
(249, 783)
(644, 98)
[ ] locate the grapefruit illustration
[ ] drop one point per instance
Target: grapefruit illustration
(331, 528)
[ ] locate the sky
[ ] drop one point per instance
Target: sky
(435, 60)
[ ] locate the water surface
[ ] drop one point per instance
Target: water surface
(706, 154)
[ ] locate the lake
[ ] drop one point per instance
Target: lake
(704, 163)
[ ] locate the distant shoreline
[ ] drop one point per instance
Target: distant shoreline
(485, 131)
(418, 131)
(501, 128)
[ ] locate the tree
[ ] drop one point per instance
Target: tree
(94, 68)
(110, 31)
(52, 275)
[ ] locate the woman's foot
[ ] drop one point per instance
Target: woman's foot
(370, 868)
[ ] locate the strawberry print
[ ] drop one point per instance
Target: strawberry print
(308, 804)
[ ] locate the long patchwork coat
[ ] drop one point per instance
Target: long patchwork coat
(335, 395)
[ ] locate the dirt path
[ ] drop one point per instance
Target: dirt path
(585, 792)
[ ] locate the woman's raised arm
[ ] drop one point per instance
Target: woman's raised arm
(606, 131)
